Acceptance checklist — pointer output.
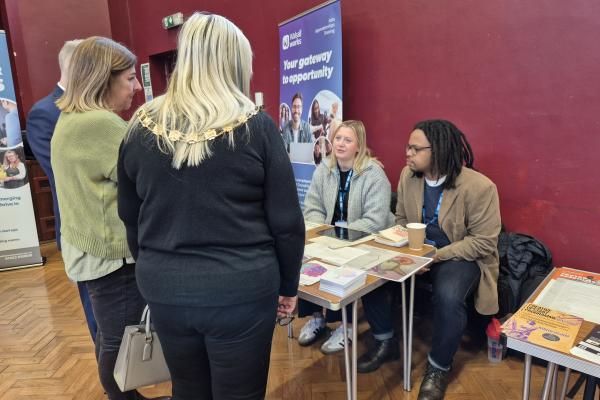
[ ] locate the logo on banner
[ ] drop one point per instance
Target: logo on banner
(286, 42)
(292, 40)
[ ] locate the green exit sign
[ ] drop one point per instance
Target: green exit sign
(173, 20)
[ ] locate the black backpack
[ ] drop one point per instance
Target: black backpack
(524, 263)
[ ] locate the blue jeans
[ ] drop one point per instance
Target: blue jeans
(217, 352)
(87, 309)
(453, 282)
(117, 303)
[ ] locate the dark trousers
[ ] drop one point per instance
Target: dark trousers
(116, 302)
(87, 309)
(306, 308)
(452, 282)
(377, 309)
(217, 353)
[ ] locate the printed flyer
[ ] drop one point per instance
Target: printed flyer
(543, 326)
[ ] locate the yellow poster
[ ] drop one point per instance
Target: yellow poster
(544, 327)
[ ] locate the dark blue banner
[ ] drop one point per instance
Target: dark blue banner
(310, 88)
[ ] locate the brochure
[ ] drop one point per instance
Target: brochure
(400, 267)
(574, 292)
(311, 272)
(542, 326)
(341, 281)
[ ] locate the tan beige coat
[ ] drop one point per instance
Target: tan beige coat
(470, 217)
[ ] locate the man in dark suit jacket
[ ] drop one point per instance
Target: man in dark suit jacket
(40, 127)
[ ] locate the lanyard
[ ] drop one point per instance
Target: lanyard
(437, 210)
(343, 192)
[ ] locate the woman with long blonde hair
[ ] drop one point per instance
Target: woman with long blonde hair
(208, 197)
(351, 191)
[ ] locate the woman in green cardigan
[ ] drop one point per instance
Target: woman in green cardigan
(84, 151)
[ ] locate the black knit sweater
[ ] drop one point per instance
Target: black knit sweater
(225, 232)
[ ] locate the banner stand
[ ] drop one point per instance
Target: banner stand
(19, 245)
(310, 91)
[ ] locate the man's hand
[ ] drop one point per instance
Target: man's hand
(427, 268)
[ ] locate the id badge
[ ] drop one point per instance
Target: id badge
(342, 224)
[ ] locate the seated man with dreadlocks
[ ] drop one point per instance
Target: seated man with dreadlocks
(440, 188)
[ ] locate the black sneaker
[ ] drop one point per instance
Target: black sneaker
(434, 383)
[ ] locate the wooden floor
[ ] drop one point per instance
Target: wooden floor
(46, 353)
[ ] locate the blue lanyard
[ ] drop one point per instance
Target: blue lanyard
(437, 210)
(343, 192)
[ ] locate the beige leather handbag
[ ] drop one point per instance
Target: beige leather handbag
(140, 361)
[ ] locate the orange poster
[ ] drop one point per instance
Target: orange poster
(543, 326)
(577, 275)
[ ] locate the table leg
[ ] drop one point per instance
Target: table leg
(404, 335)
(565, 385)
(347, 354)
(554, 383)
(527, 377)
(410, 330)
(548, 380)
(354, 344)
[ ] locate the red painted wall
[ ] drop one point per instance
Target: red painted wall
(519, 78)
(37, 30)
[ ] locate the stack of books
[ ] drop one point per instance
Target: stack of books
(341, 281)
(396, 236)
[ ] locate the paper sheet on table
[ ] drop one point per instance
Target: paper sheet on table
(334, 243)
(334, 256)
(375, 257)
(572, 297)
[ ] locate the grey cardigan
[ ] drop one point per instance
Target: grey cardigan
(368, 200)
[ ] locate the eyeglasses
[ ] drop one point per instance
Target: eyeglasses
(283, 321)
(412, 149)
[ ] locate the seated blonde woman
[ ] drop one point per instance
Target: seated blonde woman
(351, 190)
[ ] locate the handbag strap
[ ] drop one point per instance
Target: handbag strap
(146, 321)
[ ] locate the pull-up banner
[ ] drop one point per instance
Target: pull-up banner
(19, 246)
(310, 87)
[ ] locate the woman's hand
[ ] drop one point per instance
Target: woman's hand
(286, 306)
